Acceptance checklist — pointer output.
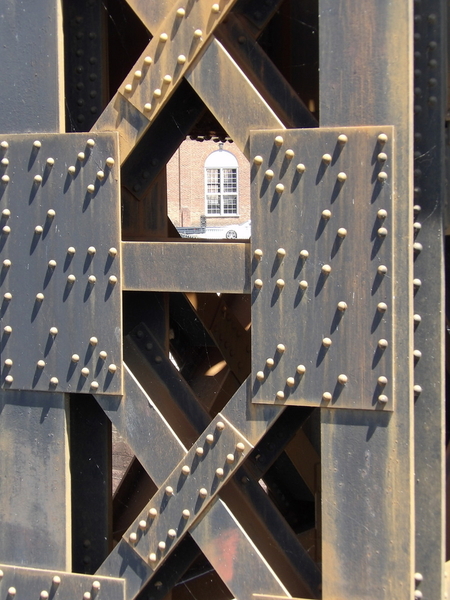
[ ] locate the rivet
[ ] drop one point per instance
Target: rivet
(382, 307)
(280, 283)
(417, 247)
(382, 176)
(418, 595)
(147, 107)
(90, 142)
(91, 188)
(383, 398)
(7, 296)
(50, 161)
(51, 213)
(327, 342)
(382, 269)
(56, 580)
(269, 174)
(199, 451)
(5, 178)
(289, 154)
(41, 364)
(52, 264)
(185, 470)
(303, 284)
(290, 381)
(382, 138)
(326, 214)
(152, 513)
(342, 379)
(75, 358)
(215, 8)
(304, 254)
(143, 524)
(4, 145)
(138, 74)
(270, 362)
(240, 447)
(157, 93)
(163, 37)
(417, 390)
(417, 226)
(96, 585)
(342, 139)
(301, 168)
(54, 381)
(167, 79)
(198, 33)
(93, 341)
(219, 472)
(6, 213)
(280, 395)
(9, 379)
(279, 188)
(181, 12)
(92, 279)
(53, 331)
(100, 175)
(326, 158)
(210, 438)
(112, 280)
(81, 156)
(5, 162)
(417, 283)
(112, 368)
(71, 278)
(281, 348)
(85, 371)
(230, 458)
(281, 252)
(39, 297)
(382, 213)
(382, 380)
(162, 545)
(172, 533)
(342, 306)
(72, 170)
(203, 492)
(326, 396)
(110, 161)
(133, 538)
(417, 354)
(152, 557)
(186, 513)
(181, 59)
(11, 590)
(7, 329)
(71, 250)
(382, 232)
(382, 157)
(383, 343)
(6, 263)
(326, 269)
(43, 595)
(37, 179)
(37, 144)
(258, 253)
(220, 426)
(8, 362)
(418, 577)
(169, 490)
(342, 177)
(6, 229)
(301, 369)
(112, 251)
(279, 140)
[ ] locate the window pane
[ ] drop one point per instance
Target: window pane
(230, 204)
(229, 181)
(212, 205)
(213, 181)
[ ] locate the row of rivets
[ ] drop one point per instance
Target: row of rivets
(56, 581)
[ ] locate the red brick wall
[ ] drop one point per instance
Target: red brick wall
(186, 184)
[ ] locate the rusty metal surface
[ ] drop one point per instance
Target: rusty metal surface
(368, 525)
(60, 256)
(186, 266)
(323, 268)
(23, 582)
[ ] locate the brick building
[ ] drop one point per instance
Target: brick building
(208, 178)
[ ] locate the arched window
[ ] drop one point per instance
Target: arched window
(221, 183)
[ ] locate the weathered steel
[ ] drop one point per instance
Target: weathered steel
(323, 232)
(430, 69)
(368, 523)
(60, 257)
(203, 267)
(23, 582)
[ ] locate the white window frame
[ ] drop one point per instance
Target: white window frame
(220, 161)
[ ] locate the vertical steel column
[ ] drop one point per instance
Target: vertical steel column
(35, 486)
(367, 458)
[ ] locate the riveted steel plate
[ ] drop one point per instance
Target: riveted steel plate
(22, 582)
(323, 237)
(188, 491)
(60, 263)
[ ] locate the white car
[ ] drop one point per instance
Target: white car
(242, 231)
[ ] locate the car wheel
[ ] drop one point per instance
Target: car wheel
(231, 234)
